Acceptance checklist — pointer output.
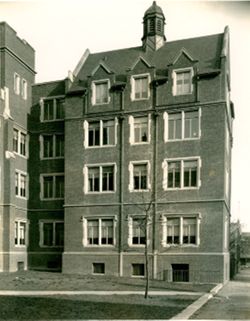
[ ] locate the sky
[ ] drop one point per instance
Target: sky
(61, 30)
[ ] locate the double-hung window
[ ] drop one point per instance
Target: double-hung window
(99, 231)
(21, 184)
(51, 233)
(140, 87)
(137, 230)
(181, 229)
(139, 129)
(20, 233)
(182, 125)
(52, 186)
(52, 109)
(139, 173)
(16, 83)
(100, 133)
(181, 173)
(99, 178)
(182, 81)
(52, 146)
(100, 92)
(20, 143)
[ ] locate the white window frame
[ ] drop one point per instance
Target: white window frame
(131, 121)
(41, 139)
(86, 133)
(54, 175)
(174, 78)
(24, 88)
(132, 82)
(183, 112)
(131, 218)
(99, 218)
(131, 175)
(181, 217)
(181, 160)
(54, 98)
(20, 173)
(17, 233)
(86, 178)
(19, 134)
(41, 233)
(17, 80)
(93, 89)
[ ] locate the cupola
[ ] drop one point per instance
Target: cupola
(153, 28)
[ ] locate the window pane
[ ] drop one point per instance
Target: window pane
(60, 108)
(174, 126)
(189, 231)
(17, 183)
(22, 185)
(48, 187)
(23, 144)
(108, 178)
(101, 93)
(174, 174)
(94, 179)
(138, 231)
(22, 232)
(108, 132)
(59, 191)
(16, 233)
(59, 140)
(47, 146)
(183, 83)
(92, 231)
(190, 173)
(48, 234)
(48, 110)
(191, 124)
(94, 134)
(141, 87)
(141, 129)
(140, 177)
(138, 269)
(15, 140)
(107, 232)
(173, 230)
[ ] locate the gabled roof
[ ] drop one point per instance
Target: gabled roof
(205, 50)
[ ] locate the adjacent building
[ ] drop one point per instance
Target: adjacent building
(16, 77)
(133, 135)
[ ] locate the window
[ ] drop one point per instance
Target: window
(52, 109)
(181, 173)
(139, 173)
(100, 92)
(52, 186)
(181, 230)
(182, 81)
(138, 231)
(100, 133)
(182, 125)
(52, 146)
(16, 84)
(51, 233)
(140, 87)
(180, 272)
(138, 269)
(99, 231)
(19, 142)
(20, 233)
(21, 184)
(99, 178)
(24, 89)
(139, 129)
(98, 268)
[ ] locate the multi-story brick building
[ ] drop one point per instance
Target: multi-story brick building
(135, 131)
(16, 77)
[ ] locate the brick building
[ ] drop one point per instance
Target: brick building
(134, 131)
(16, 77)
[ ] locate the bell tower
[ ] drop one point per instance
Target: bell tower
(153, 28)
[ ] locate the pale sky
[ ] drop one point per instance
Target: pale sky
(60, 31)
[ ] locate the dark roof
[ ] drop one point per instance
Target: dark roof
(153, 9)
(205, 50)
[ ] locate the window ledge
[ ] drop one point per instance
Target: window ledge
(140, 190)
(52, 120)
(182, 139)
(140, 143)
(22, 197)
(180, 245)
(51, 246)
(23, 156)
(99, 246)
(52, 158)
(98, 193)
(52, 199)
(99, 146)
(182, 188)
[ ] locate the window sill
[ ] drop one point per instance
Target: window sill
(181, 189)
(139, 99)
(22, 197)
(138, 276)
(100, 104)
(52, 158)
(182, 139)
(180, 245)
(99, 246)
(51, 246)
(99, 146)
(23, 156)
(139, 190)
(52, 120)
(20, 246)
(98, 193)
(52, 199)
(139, 143)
